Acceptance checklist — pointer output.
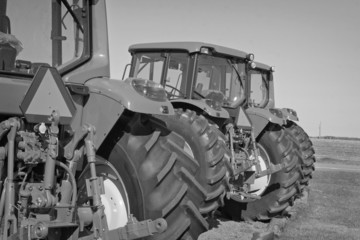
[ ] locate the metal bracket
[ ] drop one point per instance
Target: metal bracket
(135, 229)
(271, 169)
(89, 186)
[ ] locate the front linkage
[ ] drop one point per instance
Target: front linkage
(39, 199)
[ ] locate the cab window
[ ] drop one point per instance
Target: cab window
(149, 66)
(176, 74)
(217, 74)
(46, 33)
(258, 89)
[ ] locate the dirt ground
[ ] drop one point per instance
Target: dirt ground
(330, 211)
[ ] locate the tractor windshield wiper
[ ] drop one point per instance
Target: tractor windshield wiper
(68, 8)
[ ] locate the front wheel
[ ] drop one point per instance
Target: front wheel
(277, 190)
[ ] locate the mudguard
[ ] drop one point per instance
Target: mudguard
(289, 114)
(126, 95)
(261, 117)
(108, 99)
(200, 105)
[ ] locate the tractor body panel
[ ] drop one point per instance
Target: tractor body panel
(290, 114)
(125, 94)
(12, 91)
(261, 117)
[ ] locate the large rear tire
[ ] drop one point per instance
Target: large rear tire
(211, 154)
(306, 149)
(278, 189)
(157, 174)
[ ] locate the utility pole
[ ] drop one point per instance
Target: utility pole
(320, 129)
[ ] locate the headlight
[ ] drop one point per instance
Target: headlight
(252, 65)
(149, 89)
(250, 57)
(276, 112)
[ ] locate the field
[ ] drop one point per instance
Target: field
(336, 150)
(332, 210)
(333, 206)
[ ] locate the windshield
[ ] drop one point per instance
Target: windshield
(41, 32)
(217, 74)
(259, 88)
(148, 66)
(167, 69)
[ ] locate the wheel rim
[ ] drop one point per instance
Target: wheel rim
(115, 198)
(261, 184)
(114, 204)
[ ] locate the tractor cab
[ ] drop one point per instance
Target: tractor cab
(192, 70)
(196, 71)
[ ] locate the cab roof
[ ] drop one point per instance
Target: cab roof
(262, 66)
(191, 47)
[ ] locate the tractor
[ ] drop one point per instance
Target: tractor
(209, 81)
(261, 95)
(81, 154)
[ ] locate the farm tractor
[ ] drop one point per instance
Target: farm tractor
(210, 82)
(81, 155)
(261, 95)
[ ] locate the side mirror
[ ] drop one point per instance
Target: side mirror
(125, 70)
(5, 24)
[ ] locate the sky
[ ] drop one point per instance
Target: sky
(313, 44)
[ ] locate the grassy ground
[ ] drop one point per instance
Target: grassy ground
(333, 210)
(332, 150)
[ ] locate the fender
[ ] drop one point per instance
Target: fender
(126, 95)
(200, 105)
(107, 100)
(261, 117)
(289, 114)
